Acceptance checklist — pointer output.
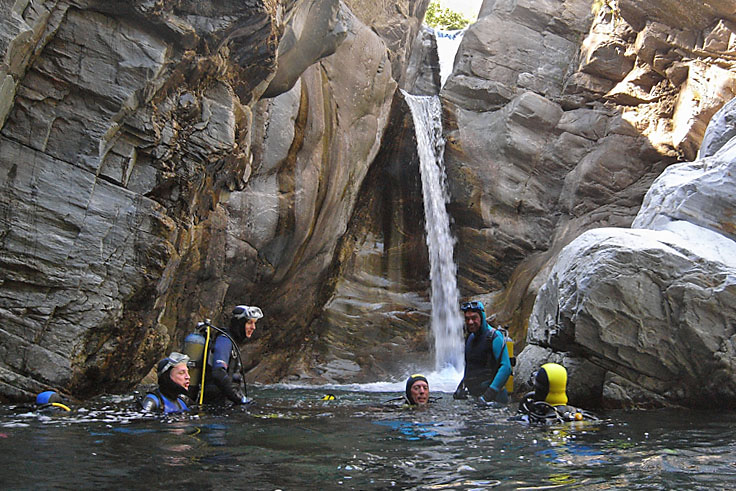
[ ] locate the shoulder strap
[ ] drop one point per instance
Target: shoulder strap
(494, 331)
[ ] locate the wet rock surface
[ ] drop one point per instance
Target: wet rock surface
(650, 306)
(147, 188)
(162, 162)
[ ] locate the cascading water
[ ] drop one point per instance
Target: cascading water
(447, 323)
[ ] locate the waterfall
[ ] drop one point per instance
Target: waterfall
(447, 323)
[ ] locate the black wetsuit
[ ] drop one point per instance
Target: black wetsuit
(223, 379)
(486, 362)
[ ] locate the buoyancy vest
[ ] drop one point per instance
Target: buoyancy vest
(481, 363)
(546, 413)
(222, 351)
(222, 354)
(167, 405)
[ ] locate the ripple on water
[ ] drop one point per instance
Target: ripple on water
(292, 439)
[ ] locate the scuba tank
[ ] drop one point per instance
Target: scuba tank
(197, 347)
(510, 348)
(194, 349)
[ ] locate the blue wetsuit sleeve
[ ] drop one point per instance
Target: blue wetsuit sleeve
(221, 353)
(220, 362)
(504, 368)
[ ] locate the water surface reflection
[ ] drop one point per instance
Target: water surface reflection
(291, 439)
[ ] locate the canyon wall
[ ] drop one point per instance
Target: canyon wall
(162, 162)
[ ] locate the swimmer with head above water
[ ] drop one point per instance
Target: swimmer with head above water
(416, 395)
(417, 390)
(173, 383)
(218, 356)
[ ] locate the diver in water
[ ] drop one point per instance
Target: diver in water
(487, 362)
(547, 403)
(223, 377)
(415, 395)
(173, 382)
(417, 390)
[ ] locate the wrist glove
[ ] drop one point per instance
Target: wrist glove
(489, 395)
(460, 393)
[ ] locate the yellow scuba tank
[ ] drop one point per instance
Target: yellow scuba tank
(510, 347)
(557, 379)
(194, 349)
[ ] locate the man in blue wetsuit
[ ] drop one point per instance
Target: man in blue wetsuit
(223, 379)
(173, 382)
(487, 363)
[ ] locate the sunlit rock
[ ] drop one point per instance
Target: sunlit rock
(653, 307)
(633, 100)
(721, 129)
(700, 193)
(703, 93)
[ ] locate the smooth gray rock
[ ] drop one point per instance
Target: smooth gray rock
(314, 30)
(721, 129)
(701, 193)
(651, 307)
(423, 71)
(314, 145)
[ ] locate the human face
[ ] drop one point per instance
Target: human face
(250, 326)
(420, 392)
(180, 375)
(472, 321)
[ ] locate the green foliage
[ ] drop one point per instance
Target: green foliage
(444, 19)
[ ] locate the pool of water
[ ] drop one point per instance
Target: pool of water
(292, 439)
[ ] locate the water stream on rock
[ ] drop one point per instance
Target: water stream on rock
(447, 323)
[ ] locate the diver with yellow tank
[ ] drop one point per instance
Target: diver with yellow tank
(216, 368)
(547, 403)
(487, 359)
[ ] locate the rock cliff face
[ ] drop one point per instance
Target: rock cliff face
(561, 115)
(645, 316)
(163, 161)
(553, 137)
(124, 122)
(146, 187)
